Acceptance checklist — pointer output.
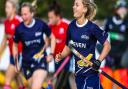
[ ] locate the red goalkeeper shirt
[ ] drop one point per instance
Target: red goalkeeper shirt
(60, 32)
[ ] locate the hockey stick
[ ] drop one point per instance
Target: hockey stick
(61, 67)
(50, 86)
(100, 71)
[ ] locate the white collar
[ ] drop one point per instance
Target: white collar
(116, 21)
(32, 23)
(82, 25)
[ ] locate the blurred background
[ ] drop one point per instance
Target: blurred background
(105, 7)
(107, 11)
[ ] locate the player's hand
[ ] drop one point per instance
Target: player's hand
(38, 56)
(96, 64)
(49, 58)
(58, 57)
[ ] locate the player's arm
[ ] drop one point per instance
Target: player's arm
(53, 43)
(102, 38)
(66, 51)
(3, 45)
(15, 55)
(105, 51)
(51, 37)
(15, 49)
(16, 39)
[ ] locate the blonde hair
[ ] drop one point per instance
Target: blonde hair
(91, 9)
(14, 4)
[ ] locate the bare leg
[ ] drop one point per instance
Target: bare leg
(38, 78)
(10, 73)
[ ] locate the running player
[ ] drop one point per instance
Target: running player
(10, 23)
(59, 27)
(30, 33)
(84, 34)
(117, 27)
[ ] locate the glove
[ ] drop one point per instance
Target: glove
(96, 64)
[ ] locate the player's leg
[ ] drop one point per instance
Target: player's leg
(27, 72)
(19, 78)
(38, 78)
(72, 81)
(19, 81)
(63, 77)
(10, 74)
(29, 82)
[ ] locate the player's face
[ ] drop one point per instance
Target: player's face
(26, 15)
(122, 11)
(53, 19)
(9, 9)
(79, 9)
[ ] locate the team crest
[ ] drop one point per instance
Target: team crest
(85, 37)
(38, 34)
(61, 30)
(12, 26)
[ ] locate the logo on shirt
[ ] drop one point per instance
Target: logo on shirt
(58, 40)
(78, 45)
(61, 31)
(38, 34)
(85, 37)
(13, 26)
(122, 28)
(36, 41)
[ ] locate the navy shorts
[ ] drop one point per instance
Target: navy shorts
(29, 68)
(90, 82)
(12, 60)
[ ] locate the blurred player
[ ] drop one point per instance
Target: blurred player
(59, 27)
(84, 35)
(10, 23)
(117, 26)
(30, 33)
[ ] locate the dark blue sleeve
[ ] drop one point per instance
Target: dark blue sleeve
(99, 34)
(68, 35)
(16, 37)
(106, 25)
(47, 30)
